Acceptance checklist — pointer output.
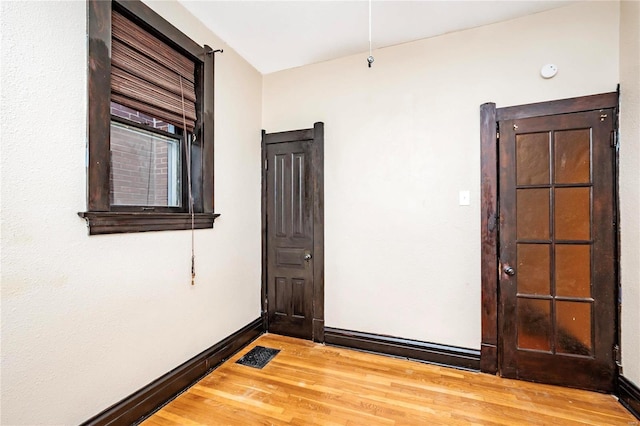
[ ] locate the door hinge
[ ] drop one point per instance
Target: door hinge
(493, 221)
(266, 164)
(615, 143)
(616, 356)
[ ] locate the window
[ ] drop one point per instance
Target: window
(146, 167)
(150, 123)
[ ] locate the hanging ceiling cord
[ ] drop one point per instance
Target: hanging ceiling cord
(370, 58)
(188, 159)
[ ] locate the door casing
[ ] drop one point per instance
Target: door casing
(316, 135)
(490, 297)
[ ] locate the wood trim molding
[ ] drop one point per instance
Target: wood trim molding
(448, 356)
(207, 131)
(318, 232)
(99, 93)
(563, 106)
(263, 220)
(489, 238)
(123, 222)
(629, 395)
(147, 400)
(290, 136)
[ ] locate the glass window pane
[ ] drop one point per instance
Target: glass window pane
(532, 206)
(533, 269)
(573, 328)
(572, 156)
(534, 324)
(573, 270)
(145, 168)
(131, 114)
(572, 213)
(532, 158)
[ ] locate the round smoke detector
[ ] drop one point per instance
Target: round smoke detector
(549, 71)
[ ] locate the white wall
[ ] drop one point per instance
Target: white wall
(630, 186)
(88, 320)
(402, 138)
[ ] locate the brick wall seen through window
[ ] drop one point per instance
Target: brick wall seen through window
(145, 168)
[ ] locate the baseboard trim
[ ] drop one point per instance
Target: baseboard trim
(448, 356)
(145, 401)
(629, 395)
(488, 358)
(318, 330)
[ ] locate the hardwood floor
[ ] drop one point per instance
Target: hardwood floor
(312, 384)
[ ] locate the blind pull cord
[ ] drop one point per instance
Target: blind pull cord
(188, 158)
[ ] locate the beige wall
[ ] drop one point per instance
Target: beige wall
(88, 320)
(630, 186)
(402, 139)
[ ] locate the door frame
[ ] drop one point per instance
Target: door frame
(316, 135)
(489, 208)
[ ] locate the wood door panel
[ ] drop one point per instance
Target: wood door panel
(298, 300)
(290, 257)
(583, 370)
(301, 223)
(280, 291)
(290, 239)
(557, 275)
(281, 202)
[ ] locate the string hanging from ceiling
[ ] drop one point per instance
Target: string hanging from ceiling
(370, 58)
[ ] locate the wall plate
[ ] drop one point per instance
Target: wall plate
(464, 198)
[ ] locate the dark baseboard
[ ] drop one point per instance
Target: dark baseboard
(488, 358)
(448, 356)
(629, 395)
(318, 330)
(145, 401)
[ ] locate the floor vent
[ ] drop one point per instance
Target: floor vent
(258, 357)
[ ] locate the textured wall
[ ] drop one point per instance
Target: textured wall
(88, 320)
(630, 186)
(402, 139)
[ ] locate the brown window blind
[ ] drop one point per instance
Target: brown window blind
(150, 76)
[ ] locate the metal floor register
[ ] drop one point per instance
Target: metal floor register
(258, 357)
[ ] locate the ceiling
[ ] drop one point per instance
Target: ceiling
(276, 35)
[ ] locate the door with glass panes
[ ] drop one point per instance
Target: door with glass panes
(557, 247)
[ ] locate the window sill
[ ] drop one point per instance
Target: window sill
(125, 222)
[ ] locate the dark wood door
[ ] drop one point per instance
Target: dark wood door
(557, 271)
(290, 245)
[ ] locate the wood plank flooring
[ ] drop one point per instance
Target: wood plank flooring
(312, 384)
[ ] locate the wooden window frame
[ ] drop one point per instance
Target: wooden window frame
(102, 218)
